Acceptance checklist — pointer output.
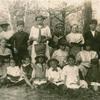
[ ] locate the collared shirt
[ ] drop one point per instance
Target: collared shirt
(45, 31)
(93, 33)
(53, 74)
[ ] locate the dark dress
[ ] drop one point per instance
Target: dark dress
(27, 70)
(93, 74)
(19, 41)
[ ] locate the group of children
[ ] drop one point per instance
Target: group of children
(72, 65)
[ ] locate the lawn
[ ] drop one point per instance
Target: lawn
(25, 93)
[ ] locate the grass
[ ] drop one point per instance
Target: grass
(25, 93)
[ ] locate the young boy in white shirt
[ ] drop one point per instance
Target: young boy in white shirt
(53, 75)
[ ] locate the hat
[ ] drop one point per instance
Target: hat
(52, 59)
(40, 50)
(20, 22)
(40, 16)
(93, 21)
(4, 23)
(41, 55)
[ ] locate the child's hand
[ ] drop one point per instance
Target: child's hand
(51, 79)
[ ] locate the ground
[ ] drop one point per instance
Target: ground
(25, 93)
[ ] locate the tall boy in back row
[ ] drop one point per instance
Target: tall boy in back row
(19, 43)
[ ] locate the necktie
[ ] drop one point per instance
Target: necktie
(39, 38)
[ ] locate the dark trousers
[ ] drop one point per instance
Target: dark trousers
(21, 54)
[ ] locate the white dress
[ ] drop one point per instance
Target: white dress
(85, 58)
(72, 77)
(45, 31)
(77, 40)
(60, 56)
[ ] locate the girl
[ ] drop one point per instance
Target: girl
(70, 75)
(75, 40)
(84, 58)
(26, 70)
(14, 76)
(61, 54)
(39, 34)
(39, 71)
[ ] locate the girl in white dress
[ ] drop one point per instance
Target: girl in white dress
(39, 34)
(70, 75)
(75, 40)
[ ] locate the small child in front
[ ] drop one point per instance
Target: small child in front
(53, 75)
(71, 76)
(13, 74)
(26, 70)
(39, 71)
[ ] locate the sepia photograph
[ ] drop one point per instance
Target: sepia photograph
(49, 50)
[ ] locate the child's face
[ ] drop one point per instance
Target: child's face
(74, 28)
(62, 47)
(41, 60)
(12, 63)
(26, 61)
(39, 21)
(93, 26)
(53, 64)
(20, 27)
(88, 48)
(3, 42)
(71, 61)
(5, 28)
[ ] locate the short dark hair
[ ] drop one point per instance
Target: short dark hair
(94, 21)
(71, 56)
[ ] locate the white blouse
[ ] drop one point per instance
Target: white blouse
(75, 38)
(45, 31)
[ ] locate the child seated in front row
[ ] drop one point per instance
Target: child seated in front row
(13, 74)
(26, 70)
(53, 75)
(70, 75)
(39, 71)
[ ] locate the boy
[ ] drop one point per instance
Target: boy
(19, 43)
(53, 75)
